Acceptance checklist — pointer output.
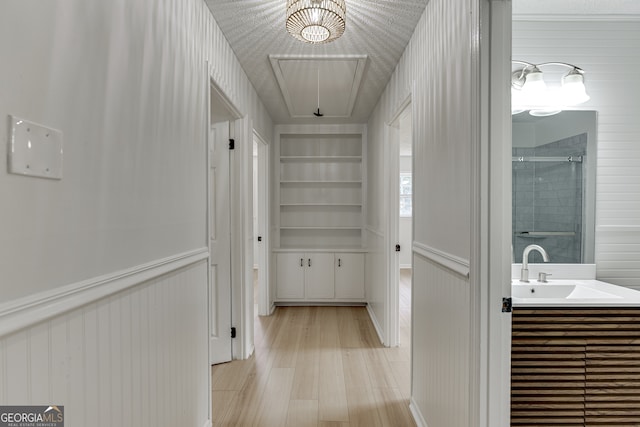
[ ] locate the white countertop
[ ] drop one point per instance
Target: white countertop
(569, 285)
(573, 293)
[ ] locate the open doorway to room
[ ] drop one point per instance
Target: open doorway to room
(405, 226)
(260, 226)
(399, 165)
(221, 118)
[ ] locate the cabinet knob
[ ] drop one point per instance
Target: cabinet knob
(309, 262)
(301, 262)
(339, 262)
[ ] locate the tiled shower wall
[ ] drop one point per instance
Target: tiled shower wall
(548, 196)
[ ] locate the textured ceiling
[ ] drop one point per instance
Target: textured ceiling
(379, 29)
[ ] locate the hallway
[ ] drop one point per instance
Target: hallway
(318, 366)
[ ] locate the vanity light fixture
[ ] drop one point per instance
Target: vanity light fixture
(316, 21)
(529, 91)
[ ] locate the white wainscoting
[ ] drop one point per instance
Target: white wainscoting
(441, 345)
(127, 350)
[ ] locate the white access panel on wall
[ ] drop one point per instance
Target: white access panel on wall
(34, 149)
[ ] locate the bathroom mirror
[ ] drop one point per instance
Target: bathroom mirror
(553, 185)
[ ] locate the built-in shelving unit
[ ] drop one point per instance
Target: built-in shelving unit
(320, 191)
(320, 188)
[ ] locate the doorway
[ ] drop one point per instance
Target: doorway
(221, 119)
(261, 225)
(400, 222)
(405, 226)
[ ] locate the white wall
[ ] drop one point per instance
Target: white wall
(607, 51)
(437, 64)
(126, 83)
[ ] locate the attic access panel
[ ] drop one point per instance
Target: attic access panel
(339, 83)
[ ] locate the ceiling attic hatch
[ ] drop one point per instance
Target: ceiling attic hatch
(330, 83)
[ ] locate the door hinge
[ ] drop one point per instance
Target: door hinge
(507, 305)
(232, 144)
(233, 332)
(398, 248)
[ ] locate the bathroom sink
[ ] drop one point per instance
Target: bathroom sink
(569, 291)
(541, 291)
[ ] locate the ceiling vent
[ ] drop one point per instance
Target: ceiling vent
(330, 83)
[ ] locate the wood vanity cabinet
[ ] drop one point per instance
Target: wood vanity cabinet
(575, 367)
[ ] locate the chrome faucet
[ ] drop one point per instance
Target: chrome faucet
(524, 273)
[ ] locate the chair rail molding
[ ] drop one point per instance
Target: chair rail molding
(24, 312)
(452, 262)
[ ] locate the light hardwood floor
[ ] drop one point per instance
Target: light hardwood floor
(321, 367)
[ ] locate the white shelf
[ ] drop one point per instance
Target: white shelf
(323, 182)
(325, 159)
(321, 227)
(344, 249)
(321, 204)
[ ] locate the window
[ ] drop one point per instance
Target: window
(405, 195)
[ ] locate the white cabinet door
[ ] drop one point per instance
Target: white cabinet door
(290, 273)
(318, 278)
(349, 275)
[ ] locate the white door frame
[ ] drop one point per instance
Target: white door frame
(490, 259)
(242, 223)
(392, 234)
(227, 112)
(262, 210)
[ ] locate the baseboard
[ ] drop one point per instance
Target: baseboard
(320, 304)
(417, 415)
(272, 308)
(33, 309)
(376, 326)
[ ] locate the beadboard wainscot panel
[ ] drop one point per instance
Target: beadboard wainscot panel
(606, 46)
(440, 350)
(127, 350)
(435, 71)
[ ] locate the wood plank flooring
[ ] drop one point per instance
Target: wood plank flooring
(320, 367)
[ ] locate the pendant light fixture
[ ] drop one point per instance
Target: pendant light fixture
(316, 21)
(529, 91)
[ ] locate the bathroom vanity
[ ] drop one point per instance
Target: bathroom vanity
(575, 357)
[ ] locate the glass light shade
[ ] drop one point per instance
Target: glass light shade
(534, 82)
(573, 90)
(316, 21)
(534, 91)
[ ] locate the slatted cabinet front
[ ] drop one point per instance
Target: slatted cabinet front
(575, 367)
